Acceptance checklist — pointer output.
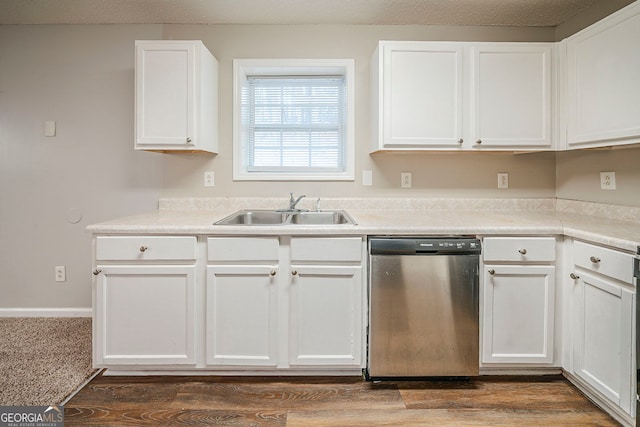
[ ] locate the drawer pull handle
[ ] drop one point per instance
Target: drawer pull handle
(272, 273)
(188, 140)
(479, 141)
(460, 141)
(574, 276)
(294, 272)
(492, 272)
(96, 272)
(594, 260)
(143, 248)
(522, 251)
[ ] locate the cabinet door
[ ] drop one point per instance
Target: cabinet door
(511, 95)
(165, 100)
(602, 340)
(422, 95)
(145, 315)
(241, 315)
(518, 314)
(603, 79)
(326, 326)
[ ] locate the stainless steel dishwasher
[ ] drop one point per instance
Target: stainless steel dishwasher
(423, 307)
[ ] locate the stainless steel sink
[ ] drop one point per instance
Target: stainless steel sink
(275, 217)
(322, 217)
(254, 217)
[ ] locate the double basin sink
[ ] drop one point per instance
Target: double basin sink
(287, 217)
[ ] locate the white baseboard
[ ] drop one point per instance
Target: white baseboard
(46, 312)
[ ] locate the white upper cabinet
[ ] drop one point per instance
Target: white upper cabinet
(176, 96)
(603, 81)
(461, 96)
(419, 90)
(512, 95)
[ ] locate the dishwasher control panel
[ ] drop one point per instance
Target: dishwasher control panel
(424, 246)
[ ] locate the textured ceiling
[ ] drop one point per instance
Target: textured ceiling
(536, 13)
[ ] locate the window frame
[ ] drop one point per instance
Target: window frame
(242, 68)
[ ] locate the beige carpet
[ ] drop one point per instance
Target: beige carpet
(43, 360)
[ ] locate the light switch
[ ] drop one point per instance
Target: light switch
(367, 178)
(50, 128)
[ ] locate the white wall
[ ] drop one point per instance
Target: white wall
(578, 175)
(81, 77)
(455, 174)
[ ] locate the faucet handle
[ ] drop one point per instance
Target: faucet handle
(293, 201)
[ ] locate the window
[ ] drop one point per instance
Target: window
(293, 120)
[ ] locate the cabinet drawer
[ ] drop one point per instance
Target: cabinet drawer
(139, 248)
(326, 249)
(521, 249)
(242, 249)
(617, 265)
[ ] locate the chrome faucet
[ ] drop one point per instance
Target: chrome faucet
(293, 201)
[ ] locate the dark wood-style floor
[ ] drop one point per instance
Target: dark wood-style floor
(331, 401)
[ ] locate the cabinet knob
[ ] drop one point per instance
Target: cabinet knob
(479, 141)
(294, 272)
(96, 272)
(492, 272)
(188, 140)
(594, 260)
(143, 248)
(522, 251)
(460, 141)
(574, 276)
(272, 273)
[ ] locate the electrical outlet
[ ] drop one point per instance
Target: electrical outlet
(503, 180)
(209, 179)
(608, 180)
(405, 180)
(61, 273)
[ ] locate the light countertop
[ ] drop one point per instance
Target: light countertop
(620, 234)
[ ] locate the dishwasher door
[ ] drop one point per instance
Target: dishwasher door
(424, 315)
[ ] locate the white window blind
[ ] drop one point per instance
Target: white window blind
(294, 123)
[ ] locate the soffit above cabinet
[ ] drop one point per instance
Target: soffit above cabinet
(521, 13)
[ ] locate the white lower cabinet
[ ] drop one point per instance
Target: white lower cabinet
(519, 306)
(602, 338)
(145, 315)
(144, 301)
(284, 302)
(602, 342)
(267, 303)
(326, 316)
(518, 301)
(242, 315)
